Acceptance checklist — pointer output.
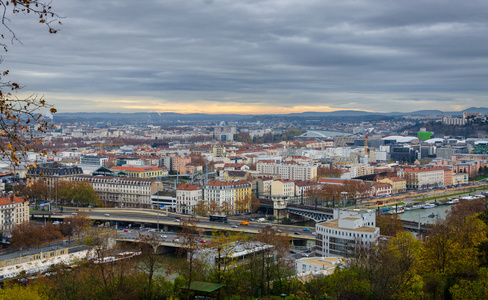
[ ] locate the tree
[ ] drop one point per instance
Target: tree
(190, 245)
(28, 234)
(201, 209)
(79, 192)
(390, 225)
(21, 118)
(330, 171)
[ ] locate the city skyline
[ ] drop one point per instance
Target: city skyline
(254, 57)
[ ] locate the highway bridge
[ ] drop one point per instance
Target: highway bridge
(170, 223)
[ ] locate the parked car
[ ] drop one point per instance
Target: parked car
(297, 233)
(203, 241)
(164, 236)
(292, 252)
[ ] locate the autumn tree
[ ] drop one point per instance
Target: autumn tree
(389, 225)
(21, 118)
(79, 192)
(28, 234)
(329, 171)
(190, 245)
(201, 209)
(255, 203)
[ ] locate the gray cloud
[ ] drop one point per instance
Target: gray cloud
(373, 55)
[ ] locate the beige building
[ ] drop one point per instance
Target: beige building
(142, 171)
(283, 188)
(261, 186)
(361, 170)
(398, 185)
(13, 211)
(123, 191)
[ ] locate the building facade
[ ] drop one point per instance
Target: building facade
(123, 192)
(187, 197)
(13, 211)
(348, 230)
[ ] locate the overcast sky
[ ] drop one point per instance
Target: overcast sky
(256, 56)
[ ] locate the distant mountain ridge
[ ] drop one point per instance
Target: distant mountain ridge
(198, 117)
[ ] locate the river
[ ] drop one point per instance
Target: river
(423, 214)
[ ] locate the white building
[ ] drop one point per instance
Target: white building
(290, 170)
(317, 265)
(187, 197)
(348, 230)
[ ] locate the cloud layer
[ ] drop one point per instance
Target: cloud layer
(256, 56)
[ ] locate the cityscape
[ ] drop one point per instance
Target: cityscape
(243, 150)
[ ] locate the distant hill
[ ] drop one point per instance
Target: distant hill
(154, 117)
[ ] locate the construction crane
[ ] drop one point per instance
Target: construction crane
(107, 144)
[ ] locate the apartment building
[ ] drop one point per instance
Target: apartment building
(261, 186)
(302, 188)
(52, 173)
(361, 170)
(348, 230)
(13, 211)
(187, 197)
(243, 189)
(123, 191)
(381, 189)
(283, 187)
(398, 185)
(288, 170)
(423, 177)
(231, 197)
(219, 194)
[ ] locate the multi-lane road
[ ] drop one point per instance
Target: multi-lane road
(173, 222)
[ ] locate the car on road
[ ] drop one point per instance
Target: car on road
(314, 233)
(292, 252)
(305, 254)
(234, 226)
(164, 236)
(176, 220)
(126, 230)
(203, 241)
(106, 215)
(297, 233)
(306, 229)
(176, 240)
(74, 214)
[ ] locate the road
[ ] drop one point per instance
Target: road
(151, 218)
